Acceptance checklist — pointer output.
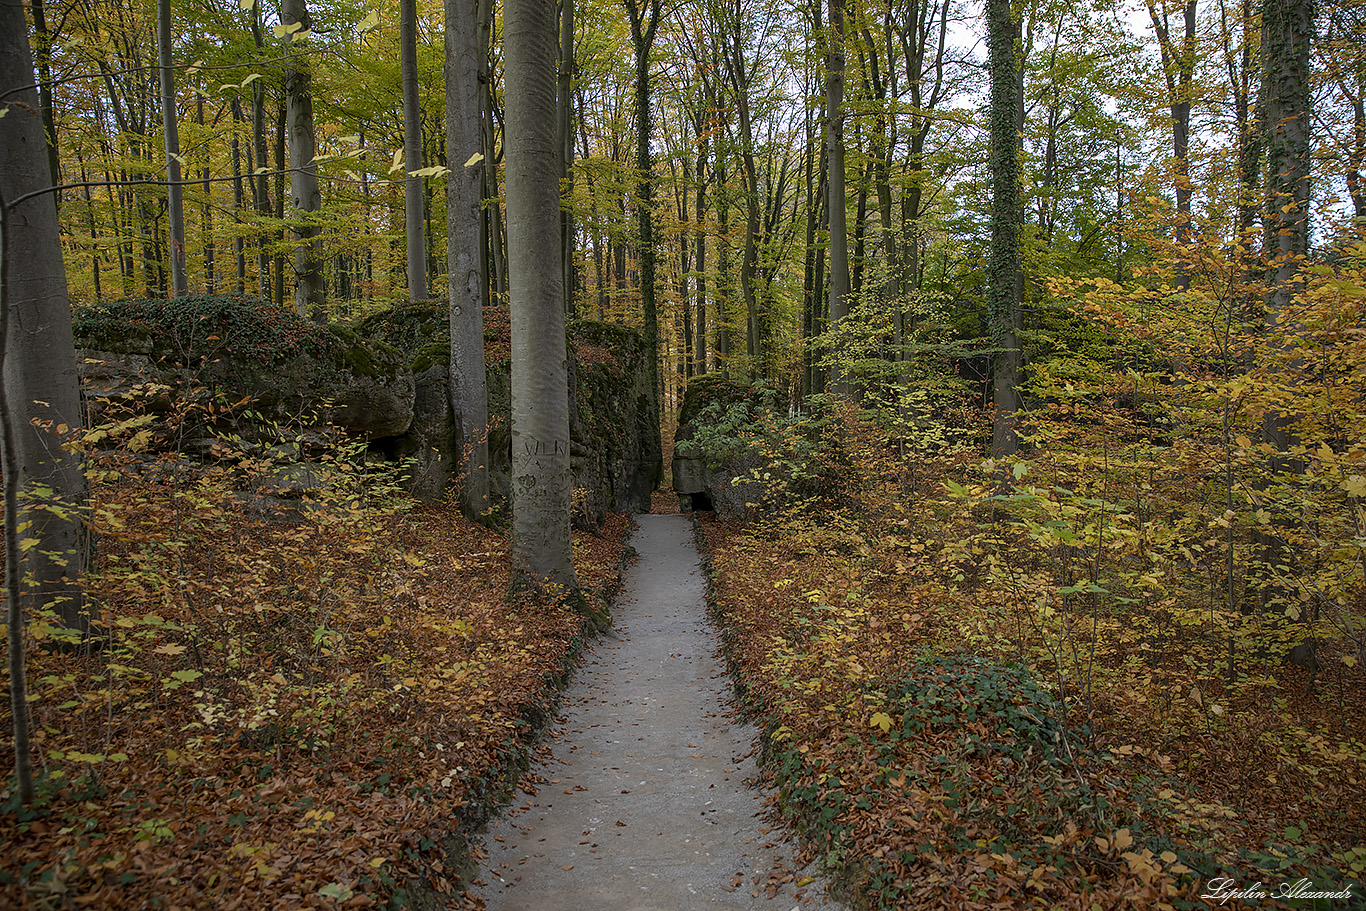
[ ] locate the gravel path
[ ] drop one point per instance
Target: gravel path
(643, 804)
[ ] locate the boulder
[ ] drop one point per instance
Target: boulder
(701, 481)
(148, 355)
(614, 438)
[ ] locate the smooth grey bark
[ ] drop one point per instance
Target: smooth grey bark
(465, 251)
(310, 290)
(40, 381)
(564, 116)
(542, 551)
(260, 184)
(837, 218)
(238, 199)
(42, 52)
(175, 192)
(413, 202)
(740, 76)
(1003, 267)
(206, 212)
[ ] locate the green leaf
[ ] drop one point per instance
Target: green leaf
(336, 890)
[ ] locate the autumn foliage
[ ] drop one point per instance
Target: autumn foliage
(300, 702)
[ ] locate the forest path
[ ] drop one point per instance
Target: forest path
(643, 804)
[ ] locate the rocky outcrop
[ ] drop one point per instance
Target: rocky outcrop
(220, 372)
(262, 365)
(703, 479)
(614, 437)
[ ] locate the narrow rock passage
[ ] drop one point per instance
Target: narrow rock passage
(644, 806)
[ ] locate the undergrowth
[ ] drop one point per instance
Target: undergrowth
(305, 684)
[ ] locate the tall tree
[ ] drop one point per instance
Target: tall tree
(1178, 69)
(1003, 267)
(542, 549)
(175, 191)
(564, 117)
(413, 202)
(836, 208)
(1287, 30)
(41, 386)
(465, 250)
(310, 290)
(42, 53)
(644, 26)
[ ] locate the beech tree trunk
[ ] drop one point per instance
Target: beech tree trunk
(1178, 63)
(175, 193)
(465, 251)
(836, 215)
(310, 288)
(564, 115)
(42, 51)
(413, 202)
(542, 549)
(41, 386)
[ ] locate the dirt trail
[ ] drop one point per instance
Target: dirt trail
(644, 805)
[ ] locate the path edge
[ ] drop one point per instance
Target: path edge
(783, 765)
(491, 792)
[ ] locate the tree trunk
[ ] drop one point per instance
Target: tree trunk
(838, 383)
(1287, 27)
(644, 23)
(1178, 64)
(206, 213)
(565, 119)
(700, 254)
(40, 381)
(175, 192)
(542, 550)
(261, 183)
(277, 284)
(239, 200)
(465, 252)
(1003, 269)
(42, 53)
(413, 202)
(310, 290)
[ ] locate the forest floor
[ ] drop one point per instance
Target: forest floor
(925, 761)
(316, 704)
(290, 711)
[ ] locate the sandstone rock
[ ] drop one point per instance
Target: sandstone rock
(143, 355)
(614, 439)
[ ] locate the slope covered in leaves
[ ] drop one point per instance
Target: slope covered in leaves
(956, 722)
(298, 701)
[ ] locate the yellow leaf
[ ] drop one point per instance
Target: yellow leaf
(1123, 839)
(881, 720)
(474, 159)
(169, 648)
(1169, 856)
